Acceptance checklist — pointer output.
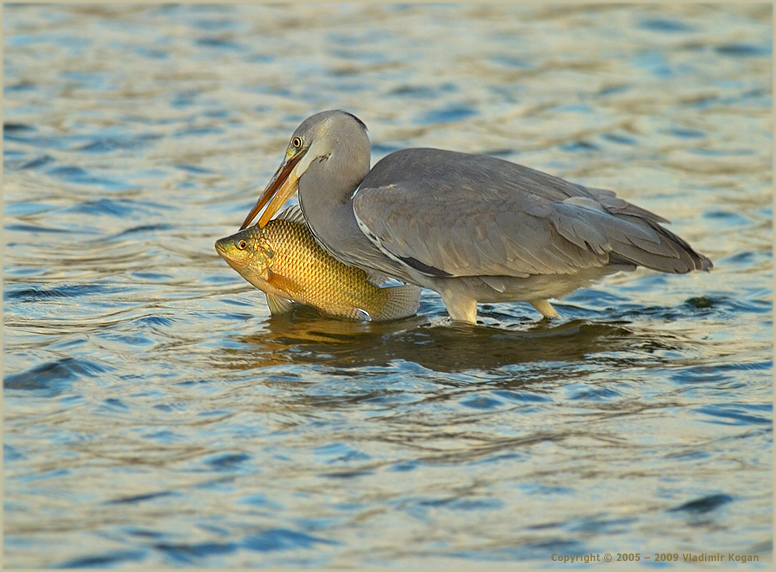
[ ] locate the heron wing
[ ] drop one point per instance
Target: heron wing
(473, 237)
(449, 214)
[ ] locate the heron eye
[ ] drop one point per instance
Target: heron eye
(242, 245)
(296, 142)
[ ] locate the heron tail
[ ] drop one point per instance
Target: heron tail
(670, 253)
(628, 234)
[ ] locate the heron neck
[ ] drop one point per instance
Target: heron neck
(327, 207)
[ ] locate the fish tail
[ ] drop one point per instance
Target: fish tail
(397, 302)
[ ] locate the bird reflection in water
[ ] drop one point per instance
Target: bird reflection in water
(304, 335)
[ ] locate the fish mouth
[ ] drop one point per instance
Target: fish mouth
(282, 186)
(239, 265)
(223, 251)
(221, 248)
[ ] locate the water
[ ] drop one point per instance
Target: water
(155, 415)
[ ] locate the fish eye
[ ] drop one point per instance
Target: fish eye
(296, 142)
(242, 245)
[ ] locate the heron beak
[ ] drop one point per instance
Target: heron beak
(282, 186)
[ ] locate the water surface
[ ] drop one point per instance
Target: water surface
(155, 415)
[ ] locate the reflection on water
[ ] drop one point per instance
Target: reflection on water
(156, 415)
(450, 347)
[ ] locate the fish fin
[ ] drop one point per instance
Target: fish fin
(280, 282)
(377, 278)
(278, 305)
(359, 314)
(400, 302)
(292, 214)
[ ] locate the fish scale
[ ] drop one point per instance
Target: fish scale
(284, 261)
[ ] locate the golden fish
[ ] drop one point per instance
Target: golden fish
(285, 262)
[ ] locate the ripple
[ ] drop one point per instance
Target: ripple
(226, 461)
(738, 414)
(586, 393)
(339, 452)
(260, 500)
(448, 114)
(704, 504)
(700, 374)
(190, 553)
(346, 474)
(579, 146)
(35, 294)
(282, 539)
(667, 25)
(35, 229)
(523, 396)
(687, 133)
(36, 163)
(656, 63)
(53, 377)
(155, 321)
(10, 127)
(422, 91)
(119, 208)
(742, 50)
(110, 144)
(106, 559)
(152, 229)
(134, 499)
(11, 454)
(482, 402)
(220, 43)
(77, 175)
(194, 131)
(619, 139)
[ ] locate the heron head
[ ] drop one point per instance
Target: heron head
(317, 139)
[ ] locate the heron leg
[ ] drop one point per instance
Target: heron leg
(460, 308)
(545, 308)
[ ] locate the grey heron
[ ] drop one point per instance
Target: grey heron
(472, 228)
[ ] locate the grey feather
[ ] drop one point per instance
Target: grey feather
(523, 221)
